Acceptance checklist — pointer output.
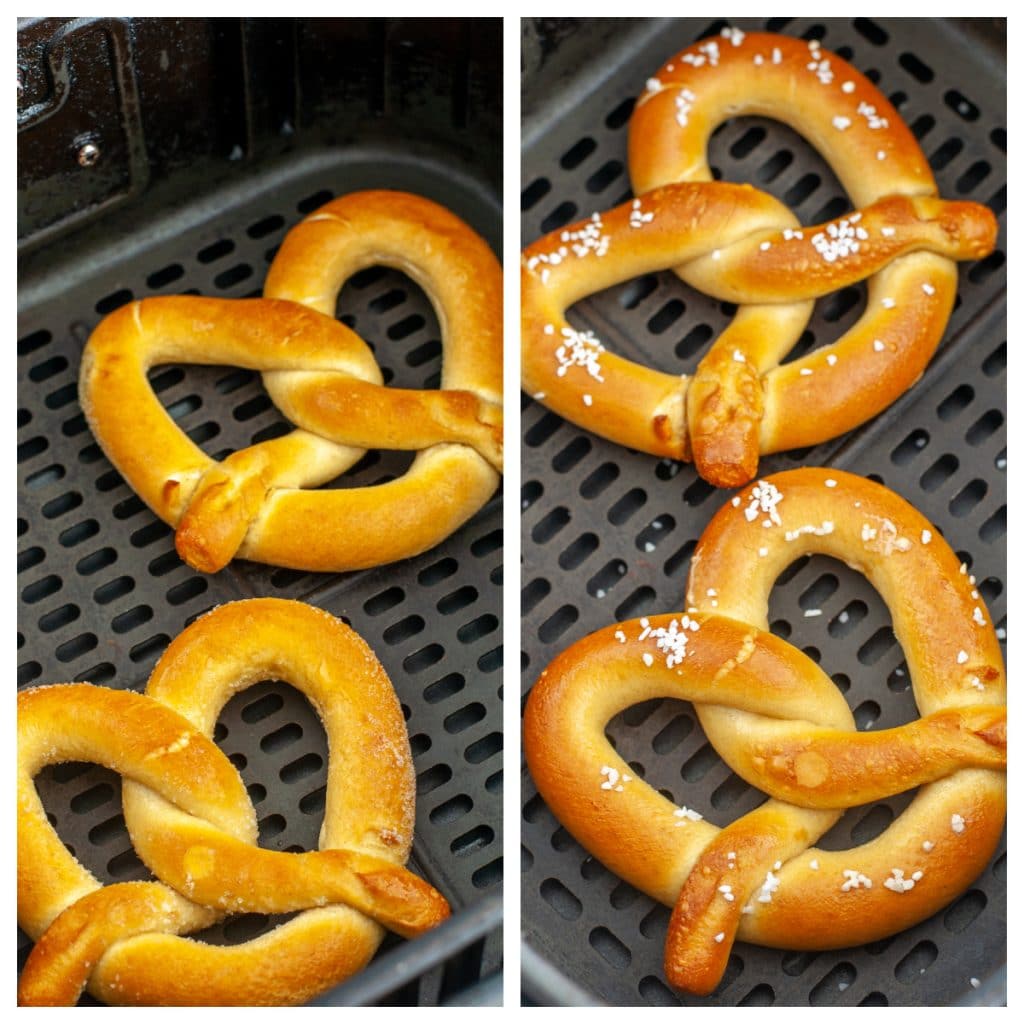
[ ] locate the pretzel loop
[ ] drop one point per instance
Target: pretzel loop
(740, 245)
(324, 379)
(192, 823)
(780, 723)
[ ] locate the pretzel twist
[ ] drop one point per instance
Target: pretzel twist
(323, 378)
(777, 720)
(740, 245)
(192, 823)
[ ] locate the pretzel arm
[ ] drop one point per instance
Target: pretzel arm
(137, 738)
(732, 876)
(120, 405)
(602, 674)
(783, 265)
(792, 80)
(351, 411)
(297, 961)
(61, 962)
(816, 767)
(616, 397)
(455, 267)
(445, 486)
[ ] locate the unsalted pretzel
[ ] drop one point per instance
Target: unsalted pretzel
(780, 723)
(743, 246)
(193, 825)
(254, 504)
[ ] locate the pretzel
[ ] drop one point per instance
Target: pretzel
(254, 504)
(741, 245)
(192, 823)
(776, 719)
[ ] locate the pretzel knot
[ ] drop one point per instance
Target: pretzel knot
(774, 716)
(324, 379)
(740, 245)
(192, 823)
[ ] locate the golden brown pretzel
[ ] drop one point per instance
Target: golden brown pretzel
(325, 380)
(741, 245)
(778, 722)
(193, 825)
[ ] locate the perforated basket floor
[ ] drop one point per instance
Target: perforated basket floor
(102, 591)
(608, 533)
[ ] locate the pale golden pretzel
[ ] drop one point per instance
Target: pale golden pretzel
(780, 723)
(741, 245)
(254, 504)
(192, 823)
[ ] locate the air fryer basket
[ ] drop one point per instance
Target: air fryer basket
(608, 533)
(102, 590)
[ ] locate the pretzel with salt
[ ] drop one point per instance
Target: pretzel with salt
(254, 504)
(191, 821)
(779, 722)
(741, 245)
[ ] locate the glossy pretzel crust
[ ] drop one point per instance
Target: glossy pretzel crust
(741, 245)
(192, 823)
(779, 722)
(254, 504)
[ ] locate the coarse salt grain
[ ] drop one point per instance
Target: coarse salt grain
(768, 887)
(927, 846)
(579, 348)
(684, 101)
(764, 497)
(830, 482)
(855, 880)
(897, 883)
(928, 289)
(957, 824)
(878, 346)
(961, 657)
(685, 815)
(926, 536)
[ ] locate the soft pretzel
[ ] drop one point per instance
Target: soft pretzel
(780, 723)
(254, 503)
(741, 245)
(193, 825)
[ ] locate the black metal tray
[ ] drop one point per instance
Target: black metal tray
(102, 590)
(608, 533)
